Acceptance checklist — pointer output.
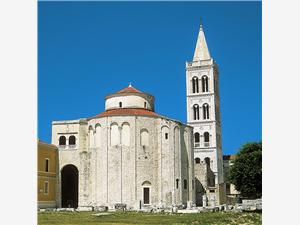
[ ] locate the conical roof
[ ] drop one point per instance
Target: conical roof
(201, 50)
(129, 89)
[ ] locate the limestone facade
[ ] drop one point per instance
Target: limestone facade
(128, 154)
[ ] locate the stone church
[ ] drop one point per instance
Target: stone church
(131, 155)
(128, 154)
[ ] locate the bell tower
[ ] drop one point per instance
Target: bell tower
(203, 112)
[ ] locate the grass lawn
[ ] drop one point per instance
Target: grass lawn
(122, 218)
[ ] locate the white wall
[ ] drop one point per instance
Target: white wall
(214, 151)
(112, 172)
(129, 101)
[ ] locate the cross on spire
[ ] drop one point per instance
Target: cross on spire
(200, 22)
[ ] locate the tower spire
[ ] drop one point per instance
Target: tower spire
(200, 22)
(201, 50)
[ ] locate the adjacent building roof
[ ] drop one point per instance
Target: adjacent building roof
(47, 144)
(229, 157)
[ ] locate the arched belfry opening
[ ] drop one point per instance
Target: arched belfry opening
(69, 186)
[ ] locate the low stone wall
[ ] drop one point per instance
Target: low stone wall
(247, 205)
(101, 208)
(251, 205)
(120, 207)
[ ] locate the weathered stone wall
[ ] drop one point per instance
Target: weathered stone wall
(114, 166)
(66, 154)
(205, 179)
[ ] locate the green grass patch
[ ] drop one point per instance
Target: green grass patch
(124, 218)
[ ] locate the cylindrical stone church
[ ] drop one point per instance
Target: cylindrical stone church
(128, 154)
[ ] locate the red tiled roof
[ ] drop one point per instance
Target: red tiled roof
(123, 112)
(129, 89)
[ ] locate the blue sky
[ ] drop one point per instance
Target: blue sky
(87, 50)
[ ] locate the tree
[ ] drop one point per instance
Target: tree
(246, 171)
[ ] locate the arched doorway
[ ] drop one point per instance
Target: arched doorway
(146, 193)
(69, 186)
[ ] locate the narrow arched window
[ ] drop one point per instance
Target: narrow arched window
(204, 81)
(46, 165)
(177, 183)
(46, 187)
(114, 135)
(207, 161)
(197, 160)
(206, 139)
(196, 112)
(165, 134)
(205, 109)
(91, 137)
(62, 140)
(125, 135)
(195, 83)
(98, 135)
(185, 184)
(144, 138)
(120, 104)
(197, 137)
(72, 140)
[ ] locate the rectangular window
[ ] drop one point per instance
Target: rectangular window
(166, 136)
(146, 195)
(47, 165)
(46, 187)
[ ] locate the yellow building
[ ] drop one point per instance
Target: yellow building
(47, 175)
